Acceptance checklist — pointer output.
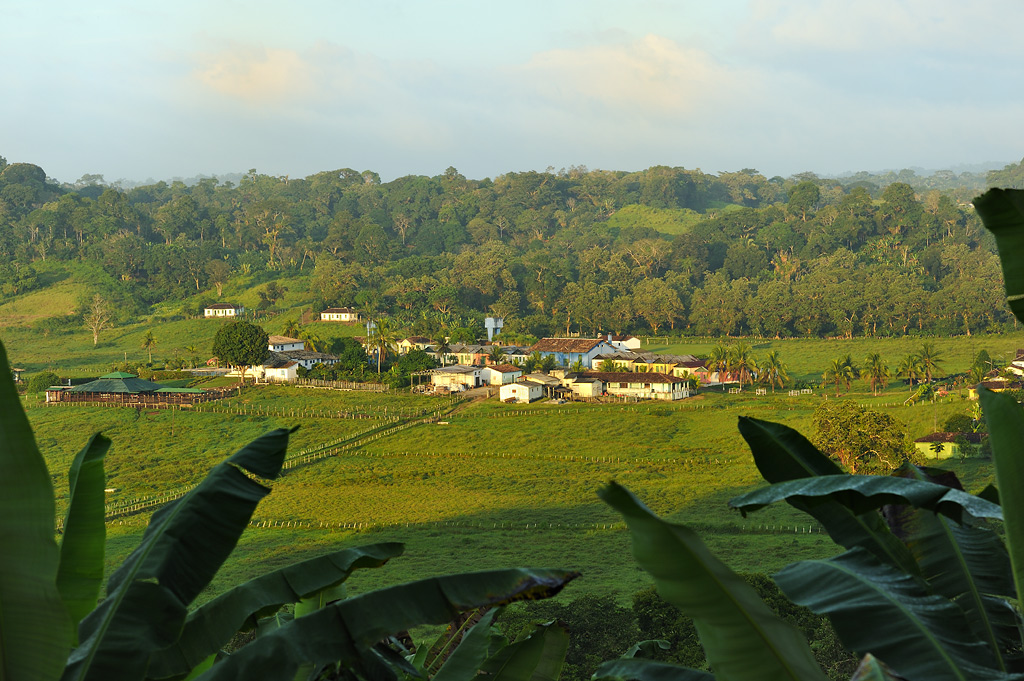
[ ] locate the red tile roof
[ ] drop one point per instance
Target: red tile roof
(578, 345)
(633, 377)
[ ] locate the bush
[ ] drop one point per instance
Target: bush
(42, 381)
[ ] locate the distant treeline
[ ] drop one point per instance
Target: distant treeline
(572, 250)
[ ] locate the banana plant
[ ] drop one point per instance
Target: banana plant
(926, 586)
(145, 627)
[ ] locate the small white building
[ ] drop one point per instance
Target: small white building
(522, 391)
(585, 387)
(456, 378)
(339, 314)
(223, 310)
(280, 371)
(500, 374)
(284, 343)
(625, 342)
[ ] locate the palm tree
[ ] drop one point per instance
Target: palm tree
(442, 350)
(291, 329)
(193, 352)
(930, 360)
(386, 336)
(313, 341)
(718, 360)
(577, 366)
(773, 371)
(910, 367)
(840, 371)
(876, 371)
(148, 343)
(743, 363)
(496, 354)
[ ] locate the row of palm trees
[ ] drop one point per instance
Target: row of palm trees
(739, 360)
(920, 366)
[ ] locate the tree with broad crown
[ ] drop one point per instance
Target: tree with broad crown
(241, 344)
(857, 436)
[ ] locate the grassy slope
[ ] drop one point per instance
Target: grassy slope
(497, 486)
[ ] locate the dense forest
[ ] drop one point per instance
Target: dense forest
(555, 252)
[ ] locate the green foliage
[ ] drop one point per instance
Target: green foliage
(142, 629)
(241, 344)
(860, 438)
(42, 381)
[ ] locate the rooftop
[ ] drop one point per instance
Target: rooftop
(578, 345)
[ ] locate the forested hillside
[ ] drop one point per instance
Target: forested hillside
(554, 252)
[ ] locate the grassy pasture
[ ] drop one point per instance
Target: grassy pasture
(498, 485)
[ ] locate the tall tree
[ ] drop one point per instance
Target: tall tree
(148, 343)
(876, 371)
(773, 371)
(931, 360)
(241, 345)
(910, 367)
(97, 317)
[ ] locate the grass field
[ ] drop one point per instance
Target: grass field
(498, 485)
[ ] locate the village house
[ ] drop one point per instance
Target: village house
(945, 446)
(307, 359)
(500, 374)
(119, 387)
(568, 351)
(456, 378)
(339, 314)
(284, 343)
(646, 385)
(625, 342)
(280, 370)
(407, 345)
(583, 386)
(223, 310)
(523, 391)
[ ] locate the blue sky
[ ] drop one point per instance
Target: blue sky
(412, 87)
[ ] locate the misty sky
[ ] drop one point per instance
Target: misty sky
(139, 90)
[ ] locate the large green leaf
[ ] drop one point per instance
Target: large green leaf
(347, 629)
(185, 544)
(879, 609)
(966, 564)
(863, 493)
(743, 639)
(1005, 421)
(35, 631)
(81, 548)
(1002, 211)
(782, 454)
(872, 669)
(463, 664)
(639, 669)
(211, 626)
(538, 657)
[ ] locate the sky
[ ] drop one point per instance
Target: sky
(136, 90)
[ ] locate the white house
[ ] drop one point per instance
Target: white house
(643, 385)
(456, 378)
(280, 371)
(308, 359)
(625, 342)
(522, 391)
(223, 310)
(339, 314)
(500, 374)
(284, 343)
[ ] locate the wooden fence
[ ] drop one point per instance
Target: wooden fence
(342, 385)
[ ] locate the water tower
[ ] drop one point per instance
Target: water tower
(493, 326)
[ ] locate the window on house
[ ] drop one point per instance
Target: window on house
(623, 385)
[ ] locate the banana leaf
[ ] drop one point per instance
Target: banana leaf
(346, 630)
(872, 669)
(211, 626)
(35, 631)
(742, 638)
(966, 564)
(429, 659)
(538, 657)
(782, 454)
(1002, 211)
(465, 661)
(863, 493)
(647, 648)
(639, 669)
(80, 573)
(878, 609)
(183, 547)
